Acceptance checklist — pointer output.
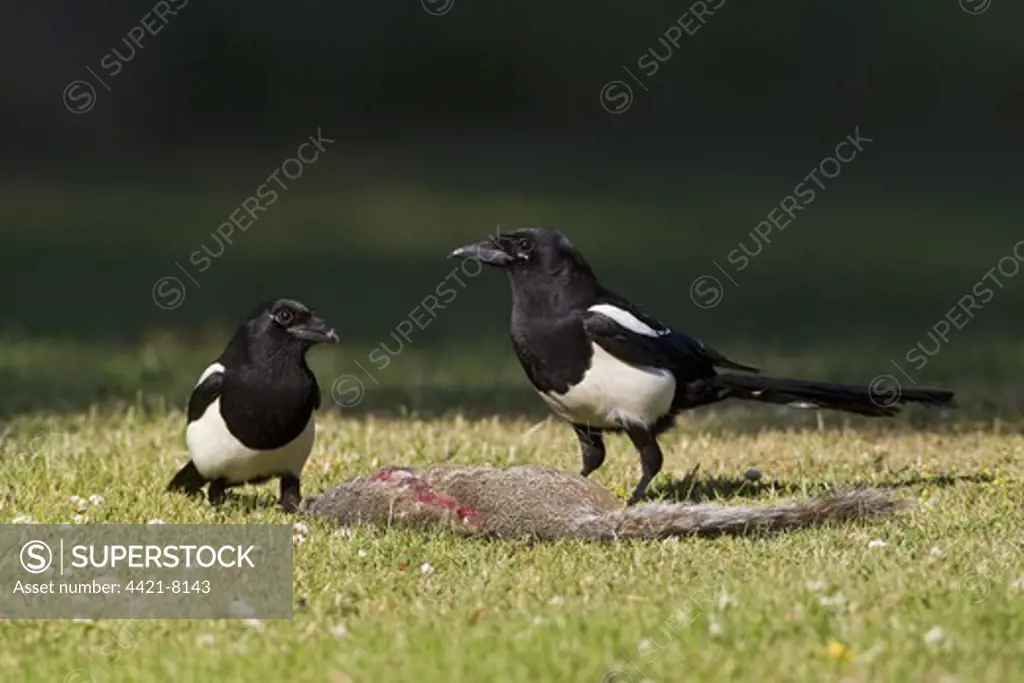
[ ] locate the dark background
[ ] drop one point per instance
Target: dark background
(490, 115)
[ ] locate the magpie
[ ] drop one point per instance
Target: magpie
(603, 364)
(251, 414)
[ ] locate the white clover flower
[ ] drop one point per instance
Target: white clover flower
(816, 586)
(837, 600)
(255, 624)
(935, 637)
(715, 629)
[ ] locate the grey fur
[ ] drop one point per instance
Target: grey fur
(547, 504)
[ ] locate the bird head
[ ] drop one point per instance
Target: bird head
(291, 322)
(531, 252)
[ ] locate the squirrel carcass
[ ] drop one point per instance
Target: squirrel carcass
(546, 504)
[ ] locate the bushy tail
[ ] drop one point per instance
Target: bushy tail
(876, 400)
(188, 480)
(548, 504)
(665, 520)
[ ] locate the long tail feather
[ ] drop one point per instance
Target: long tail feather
(872, 401)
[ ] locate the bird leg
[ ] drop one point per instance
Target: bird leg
(591, 448)
(650, 459)
(290, 493)
(216, 494)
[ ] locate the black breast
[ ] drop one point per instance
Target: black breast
(554, 354)
(264, 412)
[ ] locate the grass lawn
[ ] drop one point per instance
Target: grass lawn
(95, 375)
(936, 594)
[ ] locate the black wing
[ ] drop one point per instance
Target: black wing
(715, 356)
(204, 394)
(672, 350)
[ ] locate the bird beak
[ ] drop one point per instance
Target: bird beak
(488, 251)
(316, 330)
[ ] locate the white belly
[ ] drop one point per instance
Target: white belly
(615, 394)
(216, 453)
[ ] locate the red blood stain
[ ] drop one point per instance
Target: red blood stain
(424, 494)
(431, 497)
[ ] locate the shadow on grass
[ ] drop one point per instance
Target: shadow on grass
(691, 489)
(252, 499)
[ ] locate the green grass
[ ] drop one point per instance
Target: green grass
(860, 278)
(95, 375)
(820, 604)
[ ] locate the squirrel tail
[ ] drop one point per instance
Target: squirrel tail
(660, 520)
(548, 504)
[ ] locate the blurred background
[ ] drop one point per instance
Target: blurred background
(656, 135)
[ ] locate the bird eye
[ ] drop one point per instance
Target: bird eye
(523, 245)
(285, 317)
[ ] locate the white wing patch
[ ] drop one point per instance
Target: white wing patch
(212, 370)
(627, 320)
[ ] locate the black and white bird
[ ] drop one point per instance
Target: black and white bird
(251, 414)
(604, 365)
